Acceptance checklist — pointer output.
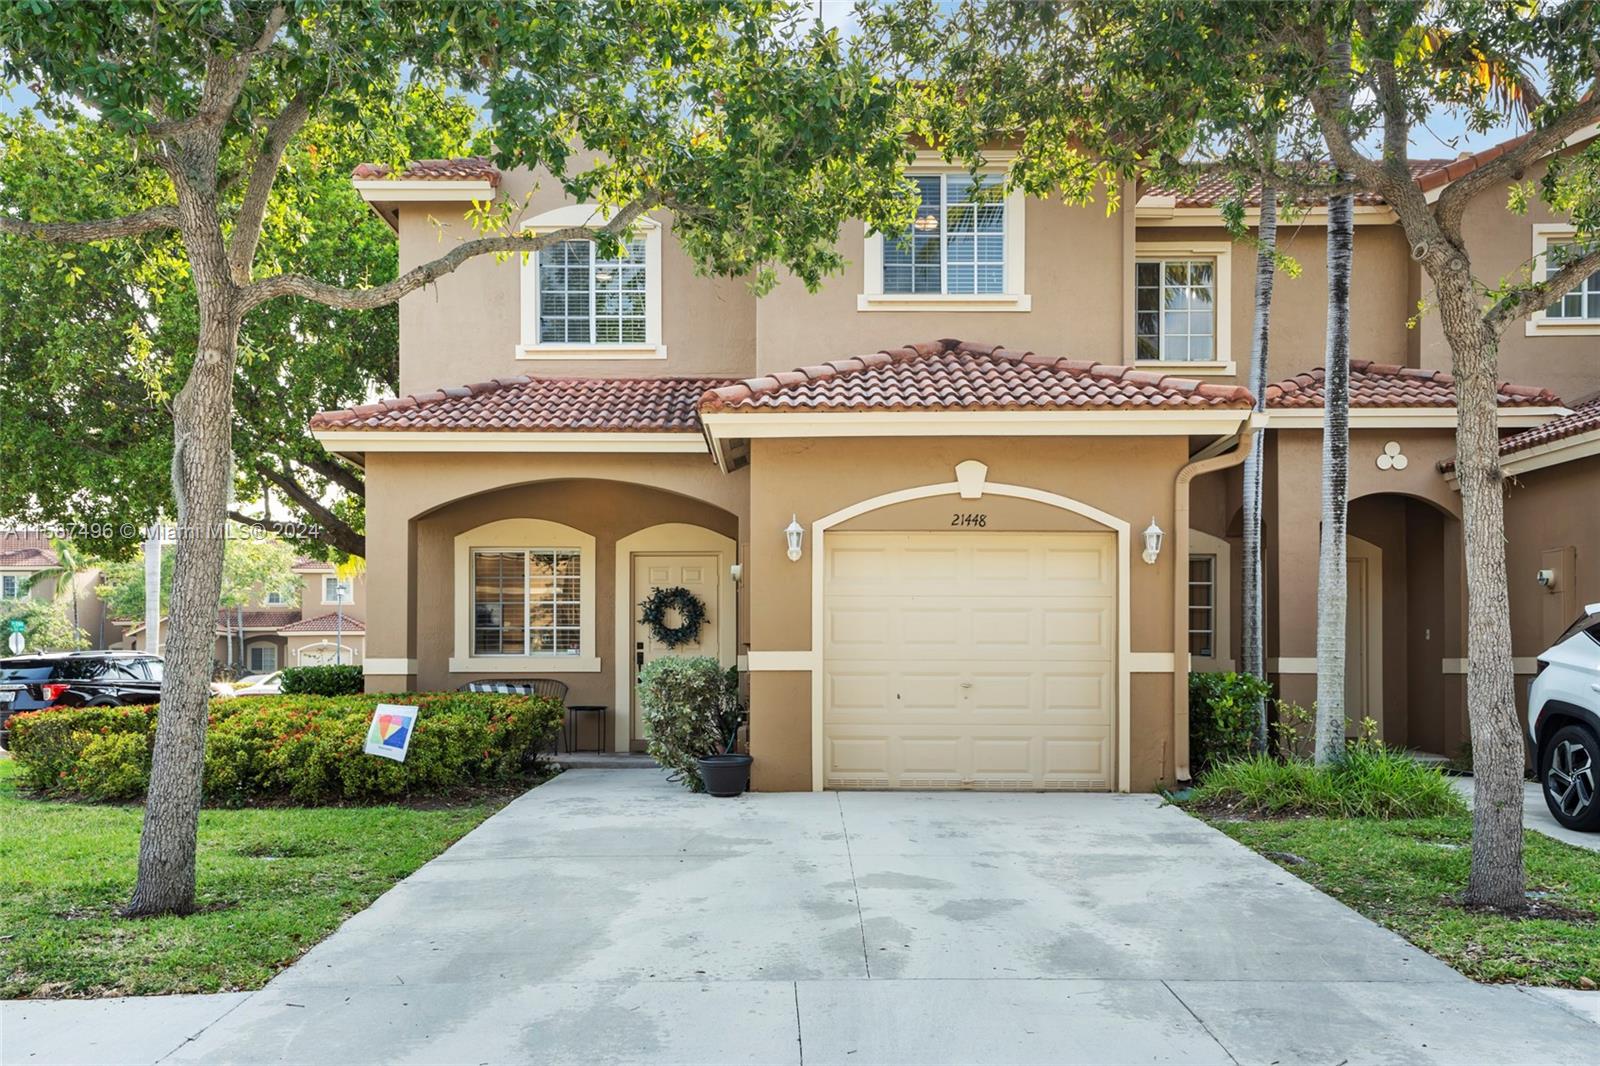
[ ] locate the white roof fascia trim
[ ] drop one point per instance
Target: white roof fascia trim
(1566, 450)
(1158, 214)
(1118, 423)
(382, 190)
(444, 440)
(1408, 417)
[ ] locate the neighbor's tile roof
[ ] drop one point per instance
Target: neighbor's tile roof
(1585, 418)
(26, 549)
(325, 622)
(1381, 385)
(569, 405)
(257, 617)
(469, 168)
(951, 375)
(307, 563)
(1213, 184)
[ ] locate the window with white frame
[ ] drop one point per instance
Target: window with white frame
(11, 586)
(335, 590)
(274, 599)
(263, 658)
(580, 304)
(1203, 606)
(957, 243)
(1175, 309)
(527, 601)
(1582, 303)
(587, 299)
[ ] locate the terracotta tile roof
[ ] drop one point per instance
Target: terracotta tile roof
(1382, 385)
(26, 550)
(257, 617)
(598, 405)
(306, 563)
(951, 375)
(1213, 184)
(469, 168)
(1585, 418)
(325, 623)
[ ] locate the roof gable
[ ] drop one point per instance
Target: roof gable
(1382, 385)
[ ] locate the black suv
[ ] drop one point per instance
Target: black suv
(77, 679)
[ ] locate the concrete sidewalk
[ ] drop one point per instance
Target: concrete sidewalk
(609, 916)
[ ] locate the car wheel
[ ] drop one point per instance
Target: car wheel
(1570, 770)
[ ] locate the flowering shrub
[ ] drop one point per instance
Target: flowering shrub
(304, 748)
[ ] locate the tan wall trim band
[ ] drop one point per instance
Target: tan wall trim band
(389, 666)
(1520, 664)
(1150, 662)
(1292, 666)
(779, 660)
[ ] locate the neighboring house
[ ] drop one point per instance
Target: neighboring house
(944, 563)
(28, 567)
(277, 633)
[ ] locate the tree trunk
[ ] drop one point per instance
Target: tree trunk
(1331, 590)
(201, 474)
(1252, 651)
(1497, 878)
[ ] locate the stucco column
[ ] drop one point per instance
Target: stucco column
(391, 656)
(1297, 535)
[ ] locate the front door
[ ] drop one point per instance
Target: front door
(698, 574)
(1363, 647)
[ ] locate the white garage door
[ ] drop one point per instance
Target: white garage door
(970, 660)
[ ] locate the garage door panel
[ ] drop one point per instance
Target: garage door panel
(969, 660)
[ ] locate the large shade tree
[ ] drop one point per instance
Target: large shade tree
(96, 372)
(747, 119)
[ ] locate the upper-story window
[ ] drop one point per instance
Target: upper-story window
(274, 599)
(585, 299)
(580, 304)
(963, 251)
(1578, 312)
(1180, 305)
(957, 244)
(1581, 304)
(335, 590)
(1176, 309)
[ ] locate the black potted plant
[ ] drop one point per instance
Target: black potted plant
(727, 772)
(692, 709)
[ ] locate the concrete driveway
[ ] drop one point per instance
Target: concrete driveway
(609, 916)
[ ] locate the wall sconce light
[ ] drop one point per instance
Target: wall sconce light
(1153, 537)
(1547, 580)
(792, 533)
(736, 571)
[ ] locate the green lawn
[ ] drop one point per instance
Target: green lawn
(1408, 876)
(273, 882)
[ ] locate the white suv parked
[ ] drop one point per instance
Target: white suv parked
(1564, 723)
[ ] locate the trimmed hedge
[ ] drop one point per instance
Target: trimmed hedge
(307, 749)
(322, 681)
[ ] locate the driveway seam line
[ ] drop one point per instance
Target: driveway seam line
(198, 1033)
(1201, 1022)
(799, 1030)
(855, 888)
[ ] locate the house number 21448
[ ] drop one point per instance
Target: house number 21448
(971, 519)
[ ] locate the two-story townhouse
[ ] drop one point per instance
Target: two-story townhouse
(321, 624)
(987, 562)
(30, 567)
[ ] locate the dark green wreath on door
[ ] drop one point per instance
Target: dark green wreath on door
(691, 613)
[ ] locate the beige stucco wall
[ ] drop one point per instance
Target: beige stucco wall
(311, 605)
(1073, 271)
(465, 327)
(1500, 243)
(1379, 303)
(418, 503)
(1131, 478)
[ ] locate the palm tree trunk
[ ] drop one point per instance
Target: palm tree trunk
(1331, 587)
(1252, 650)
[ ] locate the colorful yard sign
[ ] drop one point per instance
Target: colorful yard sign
(390, 732)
